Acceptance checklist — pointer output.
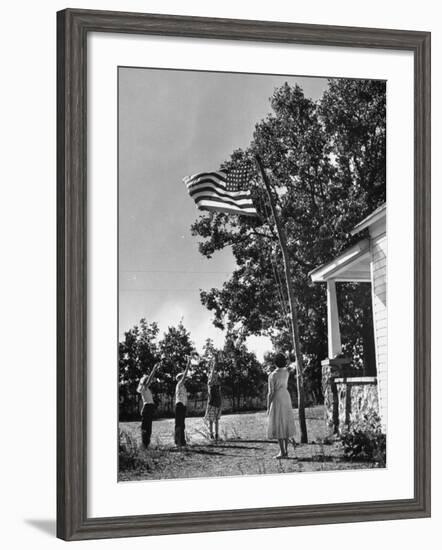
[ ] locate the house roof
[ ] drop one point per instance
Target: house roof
(353, 264)
(372, 218)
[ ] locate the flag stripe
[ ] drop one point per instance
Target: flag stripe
(221, 207)
(227, 195)
(206, 197)
(196, 181)
(198, 178)
(218, 175)
(210, 192)
(220, 188)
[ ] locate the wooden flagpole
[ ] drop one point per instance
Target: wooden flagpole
(291, 295)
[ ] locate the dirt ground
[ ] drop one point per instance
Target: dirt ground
(243, 449)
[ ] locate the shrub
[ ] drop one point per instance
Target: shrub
(129, 453)
(365, 440)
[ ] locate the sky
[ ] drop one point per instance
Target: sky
(173, 124)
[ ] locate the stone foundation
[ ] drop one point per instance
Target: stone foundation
(332, 369)
(356, 397)
(347, 397)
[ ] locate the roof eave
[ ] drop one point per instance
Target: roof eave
(349, 256)
(375, 216)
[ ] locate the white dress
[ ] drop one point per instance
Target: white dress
(281, 421)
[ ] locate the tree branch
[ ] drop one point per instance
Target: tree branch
(255, 232)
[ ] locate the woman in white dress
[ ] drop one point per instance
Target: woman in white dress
(281, 421)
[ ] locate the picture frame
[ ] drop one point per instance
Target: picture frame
(73, 28)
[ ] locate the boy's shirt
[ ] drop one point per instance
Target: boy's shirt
(145, 393)
(181, 393)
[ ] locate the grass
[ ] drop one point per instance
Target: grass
(243, 449)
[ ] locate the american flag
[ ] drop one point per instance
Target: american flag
(223, 191)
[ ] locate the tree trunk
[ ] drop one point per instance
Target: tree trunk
(293, 310)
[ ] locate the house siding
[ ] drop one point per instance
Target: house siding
(379, 290)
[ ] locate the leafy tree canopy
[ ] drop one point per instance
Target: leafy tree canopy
(241, 373)
(327, 168)
(138, 352)
(175, 346)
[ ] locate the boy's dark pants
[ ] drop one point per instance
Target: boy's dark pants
(180, 424)
(146, 423)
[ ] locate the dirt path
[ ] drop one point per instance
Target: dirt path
(242, 449)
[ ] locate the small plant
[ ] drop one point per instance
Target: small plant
(365, 440)
(203, 432)
(129, 453)
(235, 433)
(224, 433)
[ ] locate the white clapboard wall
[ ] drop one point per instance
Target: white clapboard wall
(379, 289)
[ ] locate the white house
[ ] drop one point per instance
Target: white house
(347, 397)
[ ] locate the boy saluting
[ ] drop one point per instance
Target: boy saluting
(148, 406)
(180, 406)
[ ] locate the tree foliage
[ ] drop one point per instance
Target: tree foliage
(137, 354)
(241, 374)
(139, 350)
(175, 346)
(327, 162)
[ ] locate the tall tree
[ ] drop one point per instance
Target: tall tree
(174, 348)
(242, 375)
(327, 161)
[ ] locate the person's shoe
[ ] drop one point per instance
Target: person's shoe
(279, 456)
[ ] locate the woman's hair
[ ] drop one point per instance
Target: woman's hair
(280, 360)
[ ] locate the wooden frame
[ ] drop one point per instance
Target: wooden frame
(73, 27)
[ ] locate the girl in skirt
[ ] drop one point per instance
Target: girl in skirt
(214, 401)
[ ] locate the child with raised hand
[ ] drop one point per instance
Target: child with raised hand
(214, 400)
(148, 409)
(181, 406)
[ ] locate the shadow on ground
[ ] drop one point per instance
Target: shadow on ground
(47, 526)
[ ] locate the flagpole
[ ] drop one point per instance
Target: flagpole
(291, 295)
